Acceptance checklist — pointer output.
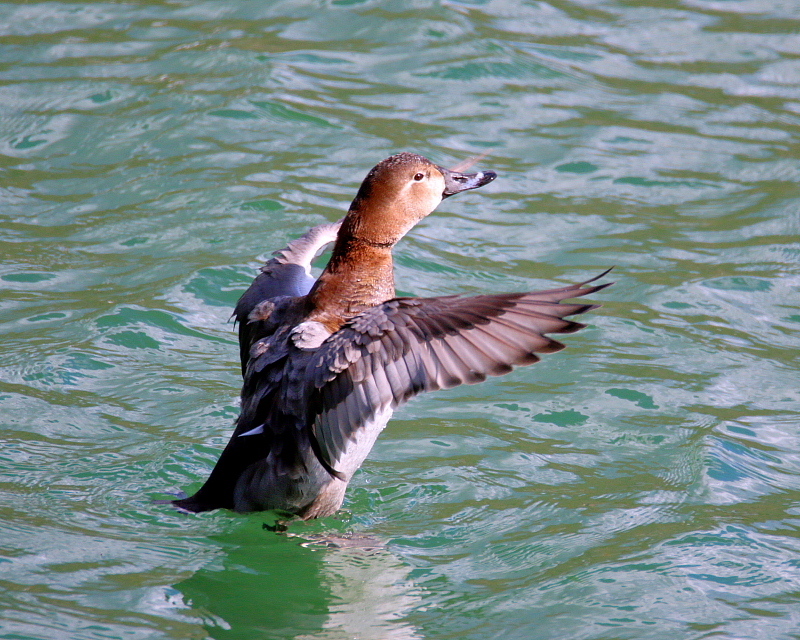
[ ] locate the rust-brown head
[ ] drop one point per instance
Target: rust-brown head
(398, 192)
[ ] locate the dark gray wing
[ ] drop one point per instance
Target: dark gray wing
(287, 274)
(271, 422)
(390, 353)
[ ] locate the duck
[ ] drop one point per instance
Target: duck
(326, 361)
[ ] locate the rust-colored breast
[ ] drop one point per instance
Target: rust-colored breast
(360, 277)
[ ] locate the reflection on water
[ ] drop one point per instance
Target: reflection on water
(642, 483)
(371, 593)
(360, 590)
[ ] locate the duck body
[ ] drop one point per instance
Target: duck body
(326, 362)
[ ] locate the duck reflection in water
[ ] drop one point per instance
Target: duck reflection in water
(326, 362)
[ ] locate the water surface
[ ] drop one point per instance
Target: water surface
(642, 484)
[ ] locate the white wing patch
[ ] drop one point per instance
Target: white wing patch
(253, 432)
(356, 448)
(309, 334)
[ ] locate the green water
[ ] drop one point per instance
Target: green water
(645, 483)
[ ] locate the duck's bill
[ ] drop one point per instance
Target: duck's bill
(455, 182)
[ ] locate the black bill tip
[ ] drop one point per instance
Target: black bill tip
(455, 182)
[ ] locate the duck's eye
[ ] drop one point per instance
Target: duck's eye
(419, 176)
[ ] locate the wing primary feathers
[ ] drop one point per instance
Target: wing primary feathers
(391, 352)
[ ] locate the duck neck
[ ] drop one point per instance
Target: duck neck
(360, 275)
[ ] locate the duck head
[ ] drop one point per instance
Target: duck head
(398, 192)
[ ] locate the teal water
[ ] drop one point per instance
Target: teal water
(644, 483)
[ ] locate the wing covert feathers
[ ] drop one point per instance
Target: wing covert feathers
(391, 352)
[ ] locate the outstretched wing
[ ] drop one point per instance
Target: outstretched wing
(388, 354)
(287, 274)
